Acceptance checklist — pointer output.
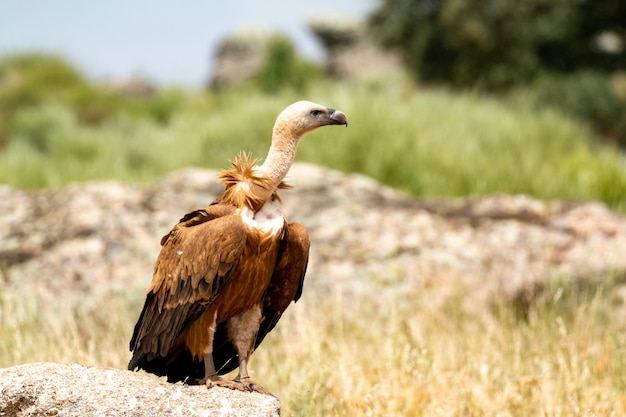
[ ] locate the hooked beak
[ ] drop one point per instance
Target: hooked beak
(337, 117)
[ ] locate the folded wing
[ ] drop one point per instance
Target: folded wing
(196, 261)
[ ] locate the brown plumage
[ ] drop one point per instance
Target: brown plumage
(227, 272)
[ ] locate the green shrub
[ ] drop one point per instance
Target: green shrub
(32, 80)
(498, 43)
(92, 106)
(29, 81)
(586, 96)
(36, 128)
(283, 68)
(163, 106)
(430, 143)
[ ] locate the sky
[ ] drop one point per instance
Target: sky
(166, 42)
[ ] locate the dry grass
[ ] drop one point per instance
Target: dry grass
(331, 356)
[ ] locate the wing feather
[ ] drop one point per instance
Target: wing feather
(196, 261)
(288, 278)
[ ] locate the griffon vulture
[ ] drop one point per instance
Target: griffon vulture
(227, 272)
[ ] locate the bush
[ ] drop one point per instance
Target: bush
(32, 80)
(162, 107)
(283, 68)
(36, 128)
(29, 81)
(586, 96)
(93, 106)
(497, 43)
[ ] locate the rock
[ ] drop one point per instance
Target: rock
(101, 239)
(130, 87)
(240, 57)
(497, 249)
(51, 389)
(351, 50)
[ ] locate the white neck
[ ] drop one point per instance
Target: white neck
(280, 156)
(278, 162)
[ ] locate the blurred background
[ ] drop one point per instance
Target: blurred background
(108, 91)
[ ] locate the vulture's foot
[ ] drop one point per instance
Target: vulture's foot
(245, 384)
(250, 385)
(208, 381)
(217, 381)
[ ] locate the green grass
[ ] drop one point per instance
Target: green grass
(430, 143)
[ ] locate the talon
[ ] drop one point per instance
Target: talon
(209, 381)
(252, 386)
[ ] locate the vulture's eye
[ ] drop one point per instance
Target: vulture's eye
(316, 112)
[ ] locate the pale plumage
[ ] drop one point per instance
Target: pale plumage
(226, 273)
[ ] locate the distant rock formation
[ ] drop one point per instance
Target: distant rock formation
(131, 87)
(240, 57)
(351, 51)
(51, 389)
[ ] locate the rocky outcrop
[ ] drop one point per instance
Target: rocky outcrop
(351, 50)
(240, 57)
(101, 239)
(51, 389)
(130, 87)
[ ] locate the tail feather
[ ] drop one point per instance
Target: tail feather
(177, 368)
(138, 355)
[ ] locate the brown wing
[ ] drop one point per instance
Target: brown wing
(285, 286)
(196, 261)
(288, 278)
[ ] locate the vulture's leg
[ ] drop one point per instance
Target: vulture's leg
(210, 374)
(211, 378)
(242, 330)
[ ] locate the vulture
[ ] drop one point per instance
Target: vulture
(227, 272)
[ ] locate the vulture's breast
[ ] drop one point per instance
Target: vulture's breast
(256, 265)
(250, 279)
(268, 220)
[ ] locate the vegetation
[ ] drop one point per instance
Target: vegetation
(284, 69)
(587, 96)
(496, 45)
(500, 43)
(430, 143)
(333, 356)
(29, 82)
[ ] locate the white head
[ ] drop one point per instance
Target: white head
(291, 124)
(304, 116)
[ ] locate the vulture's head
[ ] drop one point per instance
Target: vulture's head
(304, 116)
